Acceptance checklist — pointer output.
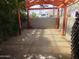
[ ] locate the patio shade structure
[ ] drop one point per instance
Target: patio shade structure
(58, 3)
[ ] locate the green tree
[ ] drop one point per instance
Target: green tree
(8, 17)
(33, 15)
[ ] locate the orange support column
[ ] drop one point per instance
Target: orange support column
(28, 23)
(19, 21)
(57, 20)
(64, 21)
(27, 9)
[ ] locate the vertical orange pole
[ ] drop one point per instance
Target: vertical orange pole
(28, 15)
(57, 19)
(28, 23)
(64, 21)
(19, 21)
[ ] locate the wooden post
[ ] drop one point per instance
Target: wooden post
(19, 21)
(64, 21)
(57, 19)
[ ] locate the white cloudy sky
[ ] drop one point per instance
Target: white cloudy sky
(39, 11)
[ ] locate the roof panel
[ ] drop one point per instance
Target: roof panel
(58, 3)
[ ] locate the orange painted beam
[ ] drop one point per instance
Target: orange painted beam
(60, 5)
(30, 3)
(42, 8)
(66, 1)
(38, 2)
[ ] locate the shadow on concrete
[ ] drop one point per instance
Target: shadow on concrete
(32, 44)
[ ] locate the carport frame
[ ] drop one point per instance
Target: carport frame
(64, 25)
(64, 5)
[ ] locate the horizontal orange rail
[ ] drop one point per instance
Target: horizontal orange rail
(41, 8)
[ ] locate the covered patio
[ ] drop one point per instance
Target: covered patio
(57, 3)
(33, 43)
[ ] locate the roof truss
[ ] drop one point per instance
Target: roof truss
(58, 3)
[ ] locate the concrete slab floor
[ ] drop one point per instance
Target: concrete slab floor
(36, 44)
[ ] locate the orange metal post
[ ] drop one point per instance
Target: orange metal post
(19, 21)
(64, 21)
(57, 20)
(28, 21)
(28, 24)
